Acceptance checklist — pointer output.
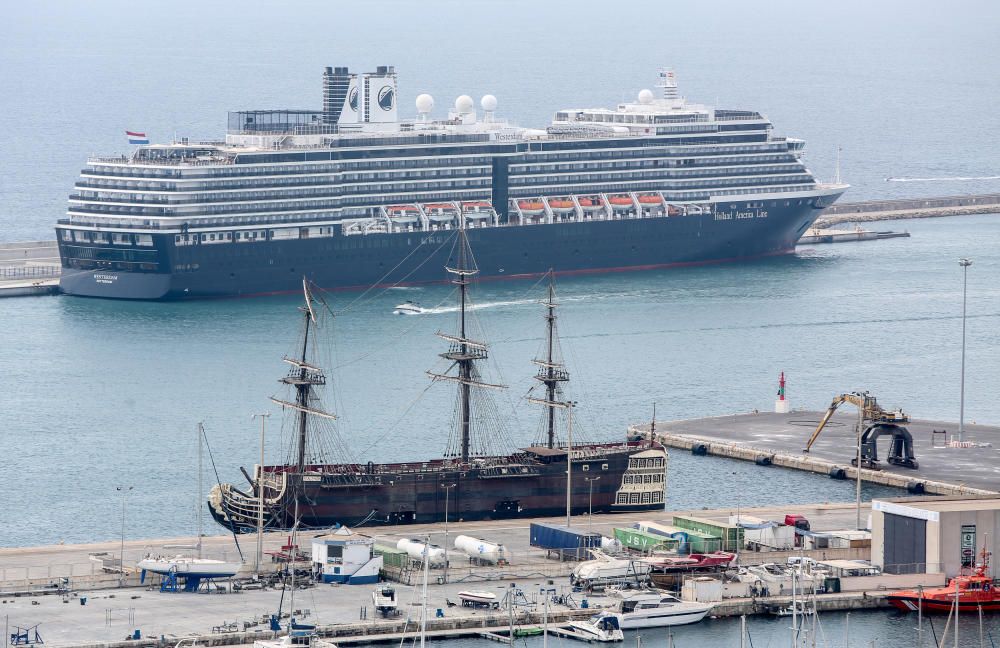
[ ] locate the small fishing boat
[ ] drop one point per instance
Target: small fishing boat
(408, 308)
(601, 628)
(800, 608)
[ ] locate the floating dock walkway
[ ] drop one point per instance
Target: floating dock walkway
(816, 235)
(778, 440)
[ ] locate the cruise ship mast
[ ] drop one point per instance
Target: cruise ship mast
(463, 351)
(551, 371)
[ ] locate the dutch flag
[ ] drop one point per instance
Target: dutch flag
(137, 138)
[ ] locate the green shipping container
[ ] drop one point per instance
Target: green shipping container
(392, 557)
(731, 535)
(642, 541)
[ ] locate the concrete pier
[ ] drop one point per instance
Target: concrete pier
(876, 210)
(112, 612)
(29, 268)
(779, 439)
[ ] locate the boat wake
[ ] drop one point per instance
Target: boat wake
(454, 309)
(945, 179)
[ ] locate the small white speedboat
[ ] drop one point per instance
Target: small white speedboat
(408, 308)
(295, 639)
(384, 600)
(655, 609)
(477, 599)
(604, 627)
(193, 567)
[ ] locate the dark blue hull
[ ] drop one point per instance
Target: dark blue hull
(170, 271)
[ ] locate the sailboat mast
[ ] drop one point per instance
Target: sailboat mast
(197, 502)
(302, 392)
(465, 364)
(551, 371)
(550, 382)
(463, 352)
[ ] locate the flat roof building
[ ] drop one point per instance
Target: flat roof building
(934, 534)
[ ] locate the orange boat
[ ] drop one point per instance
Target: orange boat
(650, 199)
(590, 204)
(474, 205)
(440, 206)
(621, 202)
(975, 591)
(531, 206)
(561, 204)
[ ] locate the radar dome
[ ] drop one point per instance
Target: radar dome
(425, 103)
(463, 105)
(645, 96)
(488, 103)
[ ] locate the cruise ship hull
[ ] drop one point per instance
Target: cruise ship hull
(729, 232)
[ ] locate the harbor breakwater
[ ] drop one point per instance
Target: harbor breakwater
(876, 210)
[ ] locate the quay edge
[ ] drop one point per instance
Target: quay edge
(767, 456)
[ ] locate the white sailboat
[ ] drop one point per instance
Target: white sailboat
(187, 566)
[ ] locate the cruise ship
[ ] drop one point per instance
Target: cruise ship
(353, 196)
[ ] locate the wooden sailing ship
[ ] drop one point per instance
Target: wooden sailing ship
(526, 482)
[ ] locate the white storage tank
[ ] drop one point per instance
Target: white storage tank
(482, 550)
(415, 550)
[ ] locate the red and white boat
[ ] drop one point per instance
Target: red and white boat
(975, 591)
(692, 562)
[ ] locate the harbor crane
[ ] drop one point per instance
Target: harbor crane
(874, 422)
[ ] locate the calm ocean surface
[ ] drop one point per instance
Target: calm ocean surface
(98, 394)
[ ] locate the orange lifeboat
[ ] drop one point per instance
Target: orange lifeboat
(650, 199)
(481, 204)
(621, 202)
(531, 207)
(590, 203)
(448, 206)
(561, 205)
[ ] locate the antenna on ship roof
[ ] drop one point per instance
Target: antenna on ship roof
(668, 82)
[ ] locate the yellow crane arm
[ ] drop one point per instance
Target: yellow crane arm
(837, 402)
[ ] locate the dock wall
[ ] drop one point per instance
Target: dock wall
(474, 626)
(812, 464)
(875, 210)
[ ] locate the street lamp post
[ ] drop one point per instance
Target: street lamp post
(569, 405)
(965, 263)
(260, 494)
(590, 500)
(124, 490)
(447, 491)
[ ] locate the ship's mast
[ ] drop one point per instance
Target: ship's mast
(463, 351)
(551, 371)
(303, 377)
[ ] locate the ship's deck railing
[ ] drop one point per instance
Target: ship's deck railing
(665, 208)
(125, 160)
